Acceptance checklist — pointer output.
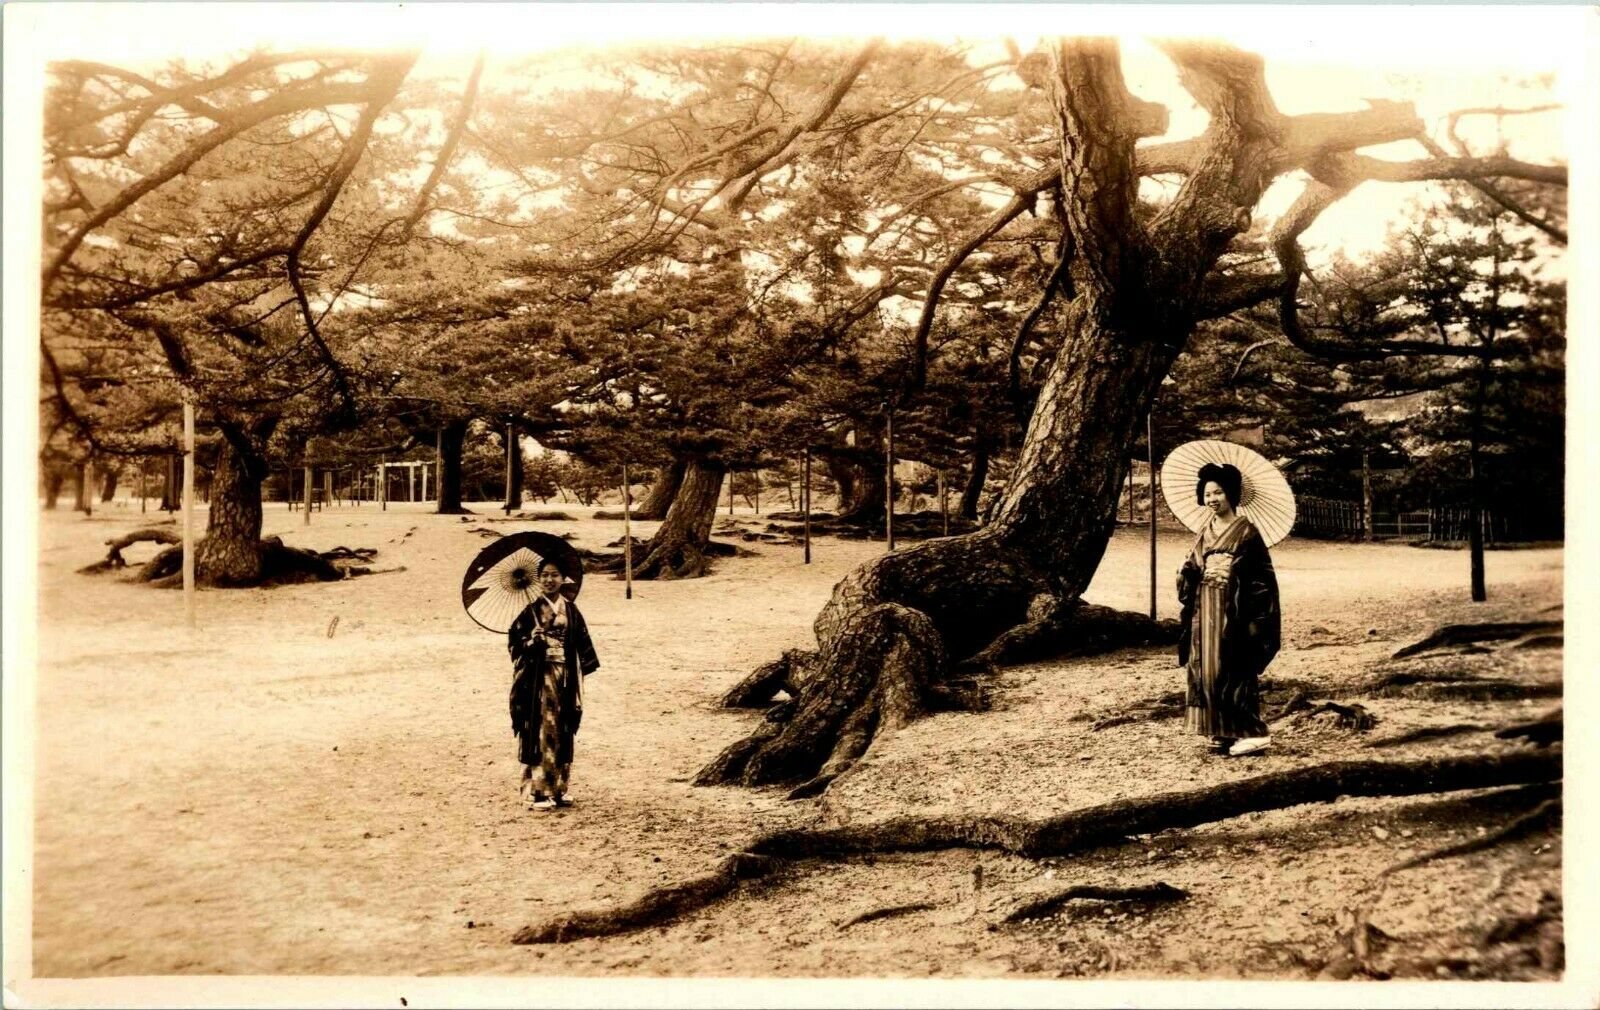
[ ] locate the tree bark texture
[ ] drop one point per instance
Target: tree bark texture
(977, 475)
(865, 503)
(662, 492)
(451, 438)
(895, 626)
(679, 548)
(169, 490)
(53, 480)
(1063, 834)
(230, 552)
(513, 470)
(108, 484)
(80, 489)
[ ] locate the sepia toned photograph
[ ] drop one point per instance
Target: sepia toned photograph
(880, 505)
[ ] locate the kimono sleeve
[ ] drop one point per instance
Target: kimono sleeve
(1257, 602)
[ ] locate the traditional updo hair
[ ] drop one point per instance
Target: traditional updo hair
(1226, 476)
(550, 563)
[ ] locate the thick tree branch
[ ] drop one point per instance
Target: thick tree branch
(385, 82)
(930, 305)
(231, 126)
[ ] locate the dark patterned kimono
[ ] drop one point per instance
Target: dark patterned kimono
(1231, 628)
(551, 653)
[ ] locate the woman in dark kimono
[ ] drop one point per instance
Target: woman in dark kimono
(1230, 619)
(551, 653)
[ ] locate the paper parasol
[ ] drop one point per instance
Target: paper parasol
(503, 579)
(1264, 497)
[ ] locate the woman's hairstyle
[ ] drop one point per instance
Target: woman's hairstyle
(1226, 476)
(551, 564)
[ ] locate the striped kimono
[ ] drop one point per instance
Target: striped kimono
(551, 653)
(1231, 629)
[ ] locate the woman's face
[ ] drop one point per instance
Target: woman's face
(1215, 499)
(550, 580)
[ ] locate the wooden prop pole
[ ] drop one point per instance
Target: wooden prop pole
(305, 504)
(511, 441)
(805, 499)
(383, 483)
(888, 478)
(627, 536)
(1150, 444)
(188, 512)
(438, 464)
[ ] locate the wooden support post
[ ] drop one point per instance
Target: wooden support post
(305, 503)
(511, 447)
(1150, 444)
(805, 500)
(1366, 496)
(411, 482)
(143, 465)
(438, 463)
(383, 484)
(888, 512)
(327, 488)
(627, 536)
(188, 511)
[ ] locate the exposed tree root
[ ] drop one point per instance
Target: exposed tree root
(1545, 815)
(1043, 905)
(1053, 629)
(1075, 831)
(1544, 731)
(1541, 642)
(116, 545)
(1429, 733)
(658, 905)
(1462, 634)
(890, 912)
(786, 673)
(1452, 686)
(1353, 717)
(280, 564)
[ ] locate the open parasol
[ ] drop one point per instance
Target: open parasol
(503, 579)
(1264, 497)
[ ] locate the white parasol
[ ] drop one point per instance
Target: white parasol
(1264, 497)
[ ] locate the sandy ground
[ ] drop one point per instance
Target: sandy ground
(279, 794)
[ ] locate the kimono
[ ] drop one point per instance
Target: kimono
(551, 653)
(1230, 630)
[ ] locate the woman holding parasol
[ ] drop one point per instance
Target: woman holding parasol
(1231, 620)
(536, 577)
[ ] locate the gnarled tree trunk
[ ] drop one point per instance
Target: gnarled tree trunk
(864, 505)
(662, 492)
(976, 476)
(513, 483)
(678, 550)
(451, 438)
(230, 552)
(53, 480)
(893, 627)
(80, 489)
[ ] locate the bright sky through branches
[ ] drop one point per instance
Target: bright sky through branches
(1319, 59)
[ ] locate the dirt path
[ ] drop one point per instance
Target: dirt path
(267, 799)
